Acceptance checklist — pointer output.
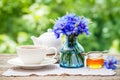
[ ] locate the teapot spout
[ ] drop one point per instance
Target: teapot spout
(35, 40)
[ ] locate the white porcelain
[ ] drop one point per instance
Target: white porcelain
(18, 62)
(31, 54)
(48, 39)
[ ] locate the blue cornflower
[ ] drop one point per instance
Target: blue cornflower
(70, 24)
(110, 62)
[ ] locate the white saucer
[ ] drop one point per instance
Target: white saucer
(17, 62)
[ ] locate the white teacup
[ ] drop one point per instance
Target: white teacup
(30, 54)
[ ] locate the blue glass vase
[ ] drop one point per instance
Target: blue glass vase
(71, 53)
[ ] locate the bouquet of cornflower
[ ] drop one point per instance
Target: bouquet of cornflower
(70, 24)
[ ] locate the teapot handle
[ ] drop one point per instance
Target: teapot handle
(55, 50)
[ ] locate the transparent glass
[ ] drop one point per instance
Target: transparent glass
(95, 60)
(71, 53)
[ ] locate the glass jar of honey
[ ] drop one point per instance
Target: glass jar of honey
(95, 60)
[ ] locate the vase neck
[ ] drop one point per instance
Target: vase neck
(72, 39)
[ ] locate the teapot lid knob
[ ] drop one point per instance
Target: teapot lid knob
(49, 30)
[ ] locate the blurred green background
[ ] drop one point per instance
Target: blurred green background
(20, 19)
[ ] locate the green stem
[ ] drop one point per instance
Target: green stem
(77, 56)
(62, 56)
(70, 59)
(82, 59)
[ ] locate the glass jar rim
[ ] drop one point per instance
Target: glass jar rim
(95, 54)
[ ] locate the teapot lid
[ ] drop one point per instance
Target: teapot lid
(49, 30)
(48, 33)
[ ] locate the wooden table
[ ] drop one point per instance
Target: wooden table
(4, 66)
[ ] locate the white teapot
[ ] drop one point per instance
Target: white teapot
(48, 39)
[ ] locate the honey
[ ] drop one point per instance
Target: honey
(95, 61)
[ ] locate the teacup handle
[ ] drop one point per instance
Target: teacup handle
(55, 50)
